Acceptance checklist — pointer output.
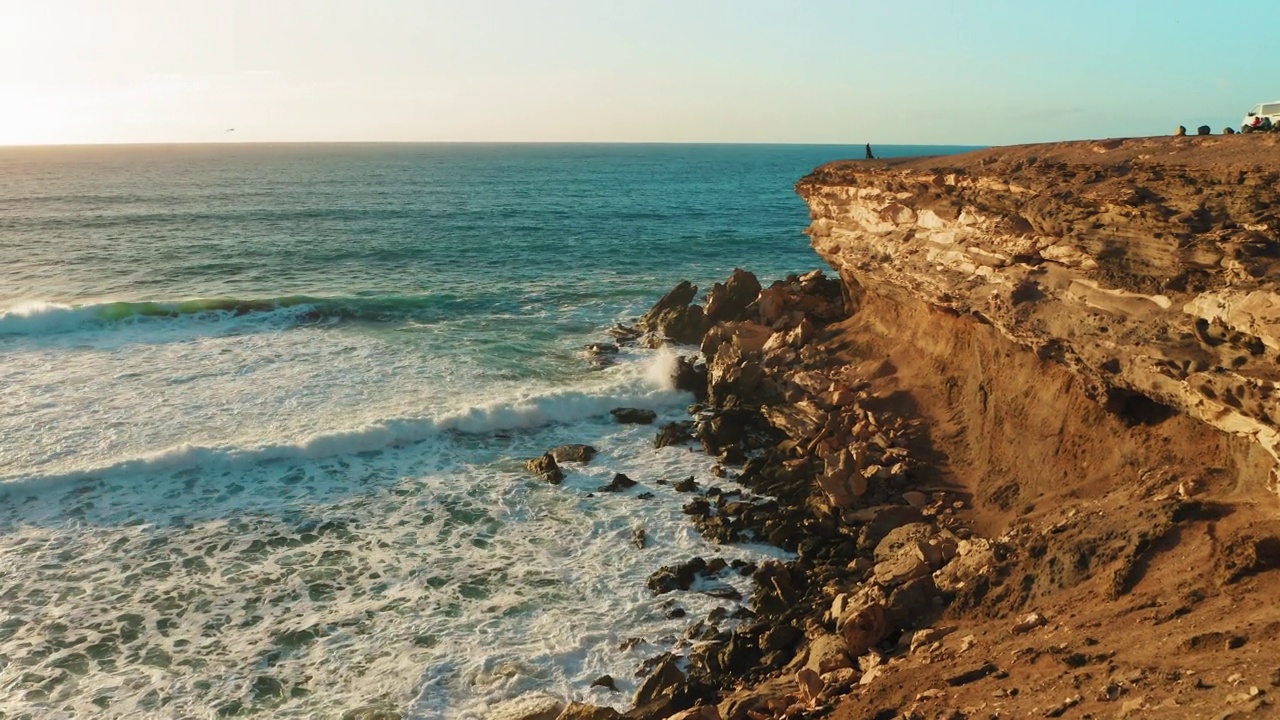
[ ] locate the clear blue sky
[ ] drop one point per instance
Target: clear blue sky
(821, 71)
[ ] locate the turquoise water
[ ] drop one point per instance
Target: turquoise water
(265, 408)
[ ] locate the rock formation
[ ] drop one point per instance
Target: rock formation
(1024, 450)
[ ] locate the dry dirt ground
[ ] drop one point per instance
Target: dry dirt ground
(1145, 542)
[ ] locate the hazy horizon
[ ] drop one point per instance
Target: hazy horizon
(922, 72)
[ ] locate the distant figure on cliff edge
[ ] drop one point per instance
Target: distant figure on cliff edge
(869, 155)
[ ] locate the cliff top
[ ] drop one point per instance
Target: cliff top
(1217, 153)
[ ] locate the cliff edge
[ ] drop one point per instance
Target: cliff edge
(1146, 266)
(1089, 333)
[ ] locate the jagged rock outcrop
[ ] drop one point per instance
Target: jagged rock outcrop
(1146, 266)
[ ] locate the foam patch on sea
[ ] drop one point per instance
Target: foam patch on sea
(413, 564)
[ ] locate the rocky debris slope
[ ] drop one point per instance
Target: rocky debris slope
(1085, 332)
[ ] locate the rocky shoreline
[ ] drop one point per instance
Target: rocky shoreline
(1023, 448)
(829, 466)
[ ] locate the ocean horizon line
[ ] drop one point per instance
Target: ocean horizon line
(484, 143)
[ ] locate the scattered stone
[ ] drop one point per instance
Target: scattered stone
(729, 302)
(646, 495)
(601, 352)
(639, 538)
(605, 681)
(669, 578)
(633, 416)
(1110, 692)
(1061, 708)
(673, 318)
(1204, 130)
(1028, 623)
(721, 590)
(972, 675)
(827, 653)
(545, 467)
(926, 637)
(674, 433)
(686, 485)
(619, 483)
(573, 453)
(1236, 641)
(1275, 677)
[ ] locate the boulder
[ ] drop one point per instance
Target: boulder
(687, 485)
(903, 540)
(620, 482)
(729, 302)
(674, 318)
(900, 569)
(634, 416)
(827, 653)
(666, 680)
(863, 622)
(975, 559)
(573, 453)
(676, 577)
(691, 377)
(605, 681)
(674, 433)
(545, 467)
(1204, 130)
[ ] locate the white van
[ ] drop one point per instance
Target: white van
(1262, 117)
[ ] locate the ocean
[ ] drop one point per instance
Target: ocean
(264, 411)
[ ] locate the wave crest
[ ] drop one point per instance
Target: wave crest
(38, 317)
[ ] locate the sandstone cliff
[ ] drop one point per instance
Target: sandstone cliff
(1090, 334)
(1146, 266)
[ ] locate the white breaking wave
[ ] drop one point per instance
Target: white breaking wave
(532, 411)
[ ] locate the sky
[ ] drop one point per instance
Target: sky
(965, 72)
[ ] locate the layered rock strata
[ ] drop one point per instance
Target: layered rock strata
(1146, 266)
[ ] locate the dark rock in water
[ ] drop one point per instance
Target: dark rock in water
(545, 467)
(674, 318)
(729, 302)
(601, 349)
(666, 681)
(633, 416)
(573, 453)
(625, 334)
(645, 496)
(699, 506)
(687, 485)
(669, 578)
(639, 538)
(725, 591)
(605, 681)
(675, 612)
(691, 378)
(619, 482)
(674, 433)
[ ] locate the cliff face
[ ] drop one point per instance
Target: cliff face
(1145, 267)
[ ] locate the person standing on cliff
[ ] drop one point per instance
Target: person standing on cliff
(869, 155)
